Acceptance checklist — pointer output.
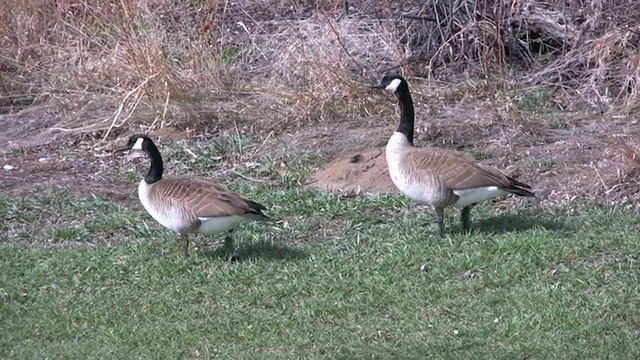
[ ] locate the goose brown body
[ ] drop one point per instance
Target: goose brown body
(438, 177)
(442, 178)
(196, 205)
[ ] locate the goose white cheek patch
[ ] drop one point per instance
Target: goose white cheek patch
(393, 85)
(134, 155)
(138, 144)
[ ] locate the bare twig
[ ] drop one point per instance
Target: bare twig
(138, 96)
(421, 18)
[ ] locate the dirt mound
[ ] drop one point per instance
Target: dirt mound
(354, 172)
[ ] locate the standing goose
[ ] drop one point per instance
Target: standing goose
(189, 205)
(437, 177)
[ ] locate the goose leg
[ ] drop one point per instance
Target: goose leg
(230, 247)
(185, 245)
(465, 215)
(440, 221)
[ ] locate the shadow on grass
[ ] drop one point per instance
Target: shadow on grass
(521, 221)
(259, 250)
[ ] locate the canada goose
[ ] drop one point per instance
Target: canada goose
(190, 204)
(437, 177)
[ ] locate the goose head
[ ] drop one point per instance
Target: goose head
(392, 83)
(137, 144)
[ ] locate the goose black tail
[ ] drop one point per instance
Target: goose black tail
(519, 188)
(255, 213)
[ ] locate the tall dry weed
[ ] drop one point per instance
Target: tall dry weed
(177, 58)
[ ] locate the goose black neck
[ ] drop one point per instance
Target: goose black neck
(406, 114)
(156, 169)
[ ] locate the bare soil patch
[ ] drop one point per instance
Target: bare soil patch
(75, 168)
(353, 172)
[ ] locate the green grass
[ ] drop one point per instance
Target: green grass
(337, 278)
(534, 100)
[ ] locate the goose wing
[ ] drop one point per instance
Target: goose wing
(457, 171)
(206, 198)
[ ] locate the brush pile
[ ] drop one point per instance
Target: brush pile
(590, 47)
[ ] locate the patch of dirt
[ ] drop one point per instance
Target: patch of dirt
(353, 172)
(48, 168)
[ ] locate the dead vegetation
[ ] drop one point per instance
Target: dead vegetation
(301, 61)
(155, 63)
(71, 68)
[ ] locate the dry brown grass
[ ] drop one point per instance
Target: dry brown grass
(605, 71)
(588, 50)
(83, 66)
(71, 54)
(151, 64)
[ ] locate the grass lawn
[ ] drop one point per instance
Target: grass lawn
(260, 93)
(336, 278)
